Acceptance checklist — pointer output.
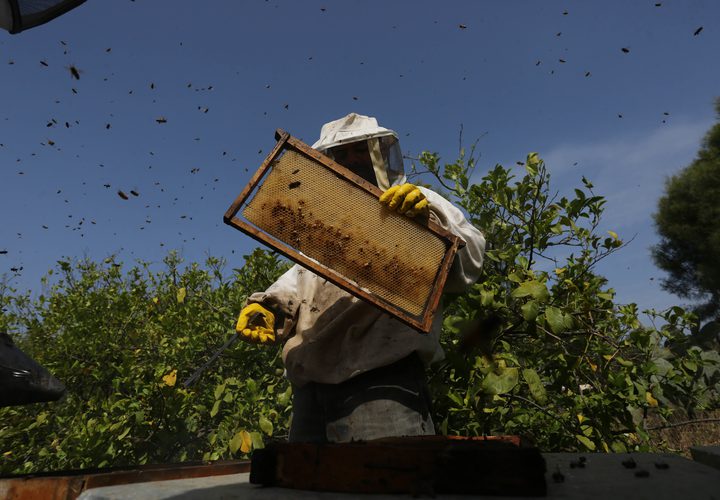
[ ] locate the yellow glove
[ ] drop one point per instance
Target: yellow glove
(256, 324)
(406, 199)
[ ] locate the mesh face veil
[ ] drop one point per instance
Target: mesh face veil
(359, 144)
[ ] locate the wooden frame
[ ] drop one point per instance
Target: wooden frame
(285, 141)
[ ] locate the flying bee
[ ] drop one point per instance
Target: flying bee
(74, 71)
(122, 195)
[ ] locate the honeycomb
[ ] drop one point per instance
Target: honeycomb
(330, 219)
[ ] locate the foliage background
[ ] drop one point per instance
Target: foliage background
(688, 221)
(537, 347)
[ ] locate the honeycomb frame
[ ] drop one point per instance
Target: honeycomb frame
(296, 203)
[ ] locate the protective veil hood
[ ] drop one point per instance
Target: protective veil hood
(383, 145)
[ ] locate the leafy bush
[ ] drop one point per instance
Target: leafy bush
(122, 342)
(537, 347)
(571, 369)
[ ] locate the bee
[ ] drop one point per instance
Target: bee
(697, 31)
(134, 193)
(625, 50)
(161, 119)
(122, 195)
(74, 72)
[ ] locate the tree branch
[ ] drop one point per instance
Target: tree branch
(686, 422)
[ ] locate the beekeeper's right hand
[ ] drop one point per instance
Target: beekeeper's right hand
(256, 324)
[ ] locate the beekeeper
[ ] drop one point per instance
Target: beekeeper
(358, 373)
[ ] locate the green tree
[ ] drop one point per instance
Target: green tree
(538, 346)
(688, 222)
(123, 341)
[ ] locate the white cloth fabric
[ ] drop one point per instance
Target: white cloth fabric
(382, 143)
(350, 128)
(331, 336)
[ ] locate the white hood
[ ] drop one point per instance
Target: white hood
(383, 145)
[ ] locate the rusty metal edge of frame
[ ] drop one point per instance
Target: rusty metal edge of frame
(72, 483)
(452, 242)
(433, 301)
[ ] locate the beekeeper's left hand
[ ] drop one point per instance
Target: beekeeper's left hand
(406, 199)
(256, 324)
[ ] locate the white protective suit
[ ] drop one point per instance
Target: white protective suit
(330, 335)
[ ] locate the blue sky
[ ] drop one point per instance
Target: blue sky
(225, 75)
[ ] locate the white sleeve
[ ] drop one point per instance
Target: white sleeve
(468, 261)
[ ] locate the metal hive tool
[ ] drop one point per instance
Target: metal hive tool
(329, 220)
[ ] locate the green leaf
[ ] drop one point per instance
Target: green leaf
(529, 310)
(624, 362)
(500, 383)
(537, 389)
(533, 288)
(662, 366)
(487, 298)
(586, 442)
(455, 398)
(636, 413)
(181, 293)
(618, 447)
(265, 425)
(215, 408)
(555, 319)
(219, 390)
(257, 440)
(450, 324)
